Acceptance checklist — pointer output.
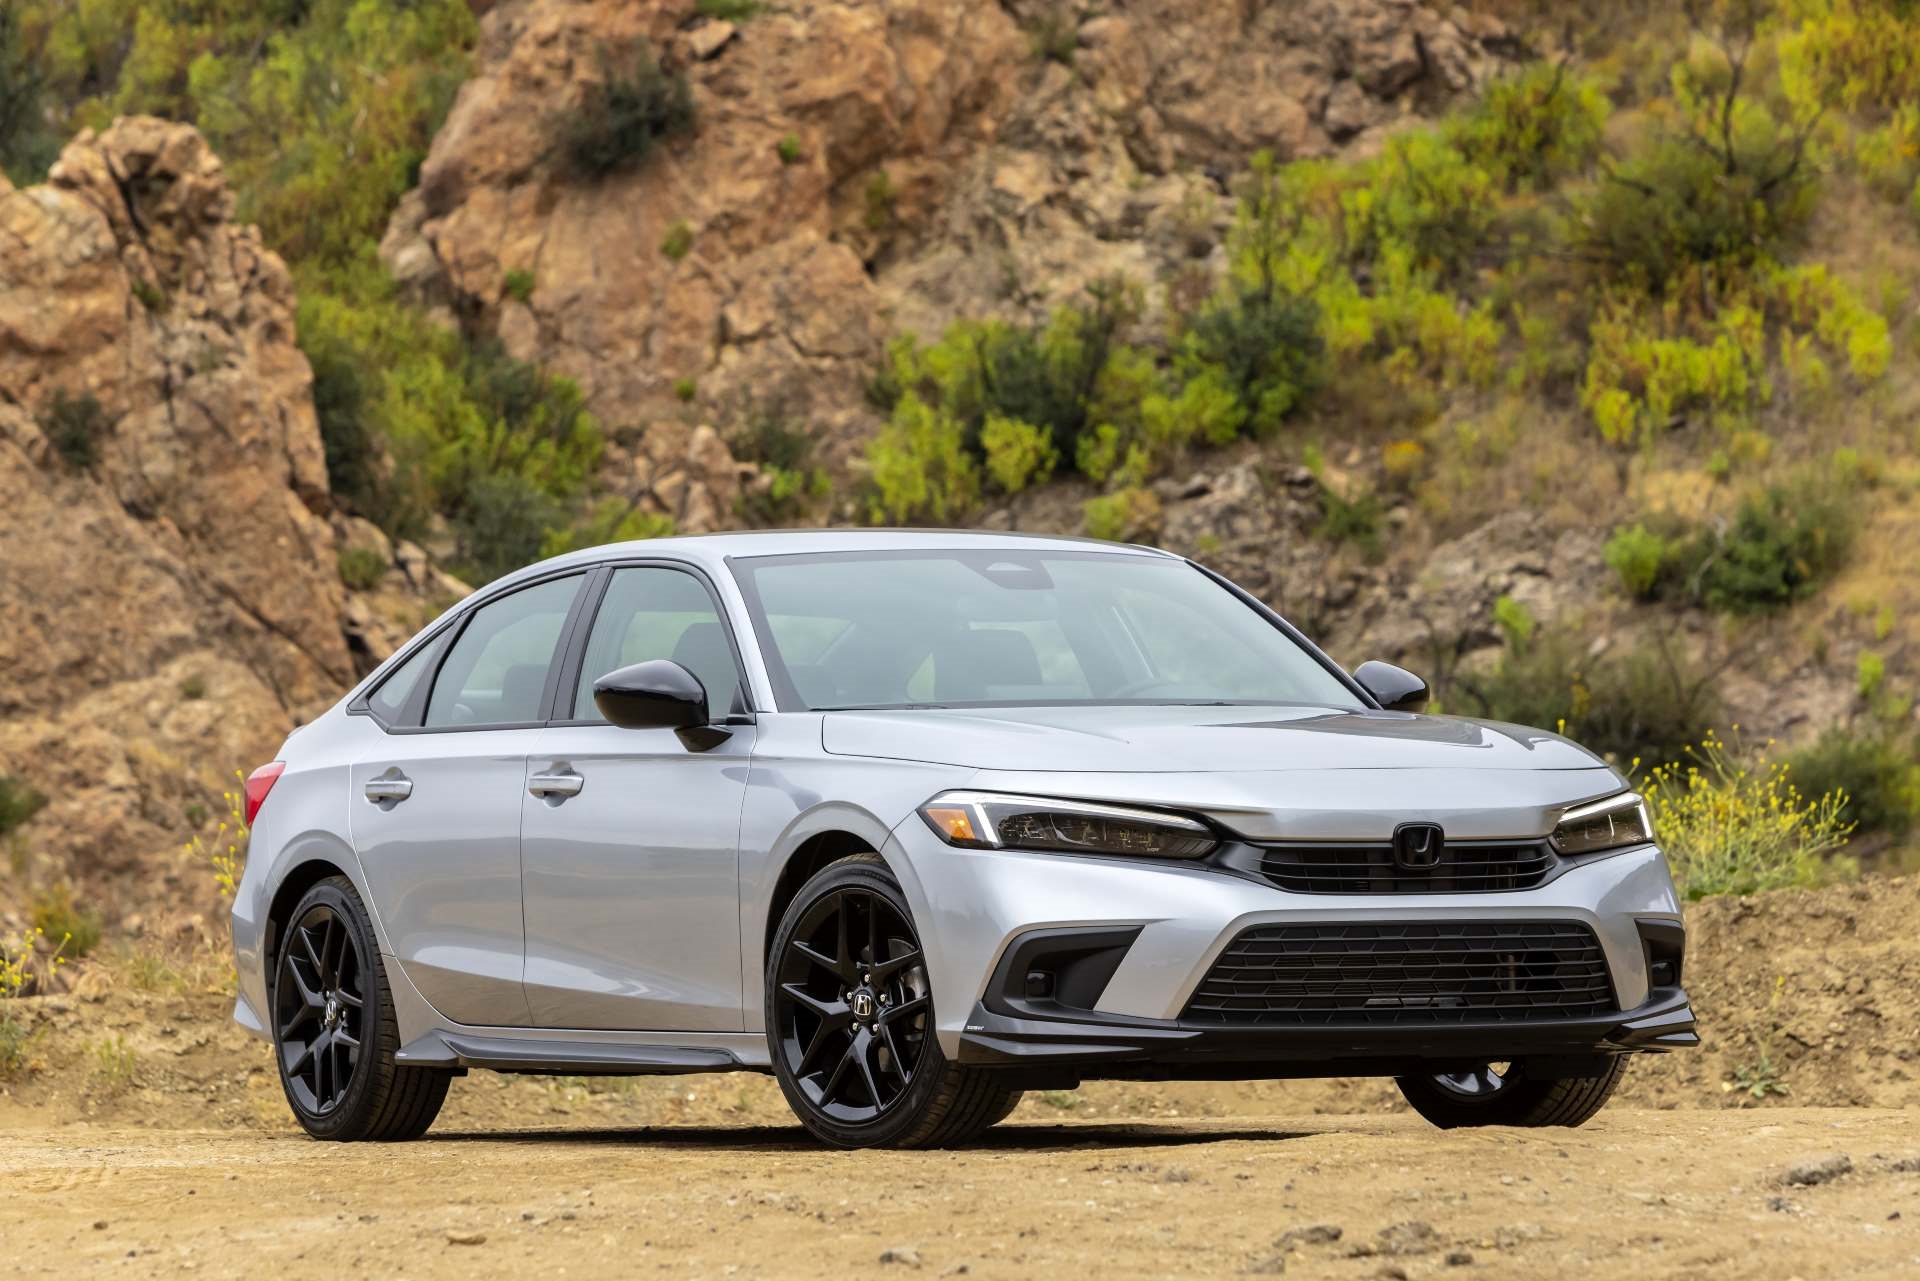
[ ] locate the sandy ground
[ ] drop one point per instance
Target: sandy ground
(1650, 1193)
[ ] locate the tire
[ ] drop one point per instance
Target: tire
(330, 982)
(1485, 1097)
(835, 1054)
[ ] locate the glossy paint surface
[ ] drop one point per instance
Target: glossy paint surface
(631, 885)
(637, 910)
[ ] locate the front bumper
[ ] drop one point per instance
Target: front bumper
(976, 907)
(1094, 1047)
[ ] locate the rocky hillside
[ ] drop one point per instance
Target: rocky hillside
(1572, 363)
(861, 170)
(167, 565)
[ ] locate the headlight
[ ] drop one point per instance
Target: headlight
(1604, 825)
(984, 821)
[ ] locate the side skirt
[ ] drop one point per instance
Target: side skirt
(587, 1053)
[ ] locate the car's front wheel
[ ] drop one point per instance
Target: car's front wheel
(334, 1032)
(1514, 1094)
(850, 1020)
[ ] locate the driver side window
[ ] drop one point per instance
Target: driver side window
(648, 613)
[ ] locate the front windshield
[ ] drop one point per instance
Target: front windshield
(993, 629)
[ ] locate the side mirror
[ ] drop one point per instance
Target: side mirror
(659, 694)
(1394, 688)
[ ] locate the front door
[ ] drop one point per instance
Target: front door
(629, 837)
(436, 806)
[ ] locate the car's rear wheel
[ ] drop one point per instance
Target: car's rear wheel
(850, 1020)
(334, 1032)
(1514, 1093)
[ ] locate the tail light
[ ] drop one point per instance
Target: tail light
(259, 783)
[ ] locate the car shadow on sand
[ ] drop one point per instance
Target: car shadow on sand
(791, 1138)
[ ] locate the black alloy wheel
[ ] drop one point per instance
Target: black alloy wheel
(335, 1032)
(1569, 1090)
(850, 1020)
(1476, 1084)
(852, 1010)
(320, 1006)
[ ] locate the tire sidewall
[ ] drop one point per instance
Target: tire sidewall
(906, 1115)
(351, 1117)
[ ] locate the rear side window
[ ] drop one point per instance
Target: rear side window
(496, 672)
(390, 700)
(651, 613)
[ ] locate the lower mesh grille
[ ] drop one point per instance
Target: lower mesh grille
(1406, 972)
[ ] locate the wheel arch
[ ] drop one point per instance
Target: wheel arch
(806, 861)
(294, 882)
(811, 842)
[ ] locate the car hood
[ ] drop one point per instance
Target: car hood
(1179, 740)
(1267, 773)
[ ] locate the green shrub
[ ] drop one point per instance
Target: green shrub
(1651, 558)
(1057, 376)
(55, 914)
(677, 243)
(728, 10)
(685, 389)
(619, 122)
(1122, 516)
(1515, 621)
(1878, 771)
(1727, 828)
(320, 110)
(1354, 520)
(1782, 544)
(502, 524)
(74, 426)
(446, 414)
(921, 468)
(1267, 345)
(611, 520)
(193, 688)
(27, 146)
(345, 392)
(518, 284)
(361, 568)
(783, 453)
(1534, 126)
(1017, 454)
(1725, 191)
(788, 149)
(19, 802)
(1632, 702)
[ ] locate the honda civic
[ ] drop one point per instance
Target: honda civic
(917, 821)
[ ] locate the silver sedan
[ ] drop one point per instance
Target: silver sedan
(917, 821)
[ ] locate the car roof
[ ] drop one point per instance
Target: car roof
(713, 549)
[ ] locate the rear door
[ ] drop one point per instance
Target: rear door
(629, 837)
(436, 804)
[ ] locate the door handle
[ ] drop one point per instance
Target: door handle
(395, 789)
(557, 785)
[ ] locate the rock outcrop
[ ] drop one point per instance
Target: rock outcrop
(860, 168)
(167, 569)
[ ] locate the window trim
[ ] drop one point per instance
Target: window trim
(577, 640)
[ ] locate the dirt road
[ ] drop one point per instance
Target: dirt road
(1652, 1194)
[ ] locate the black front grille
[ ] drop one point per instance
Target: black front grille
(1464, 867)
(1406, 972)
